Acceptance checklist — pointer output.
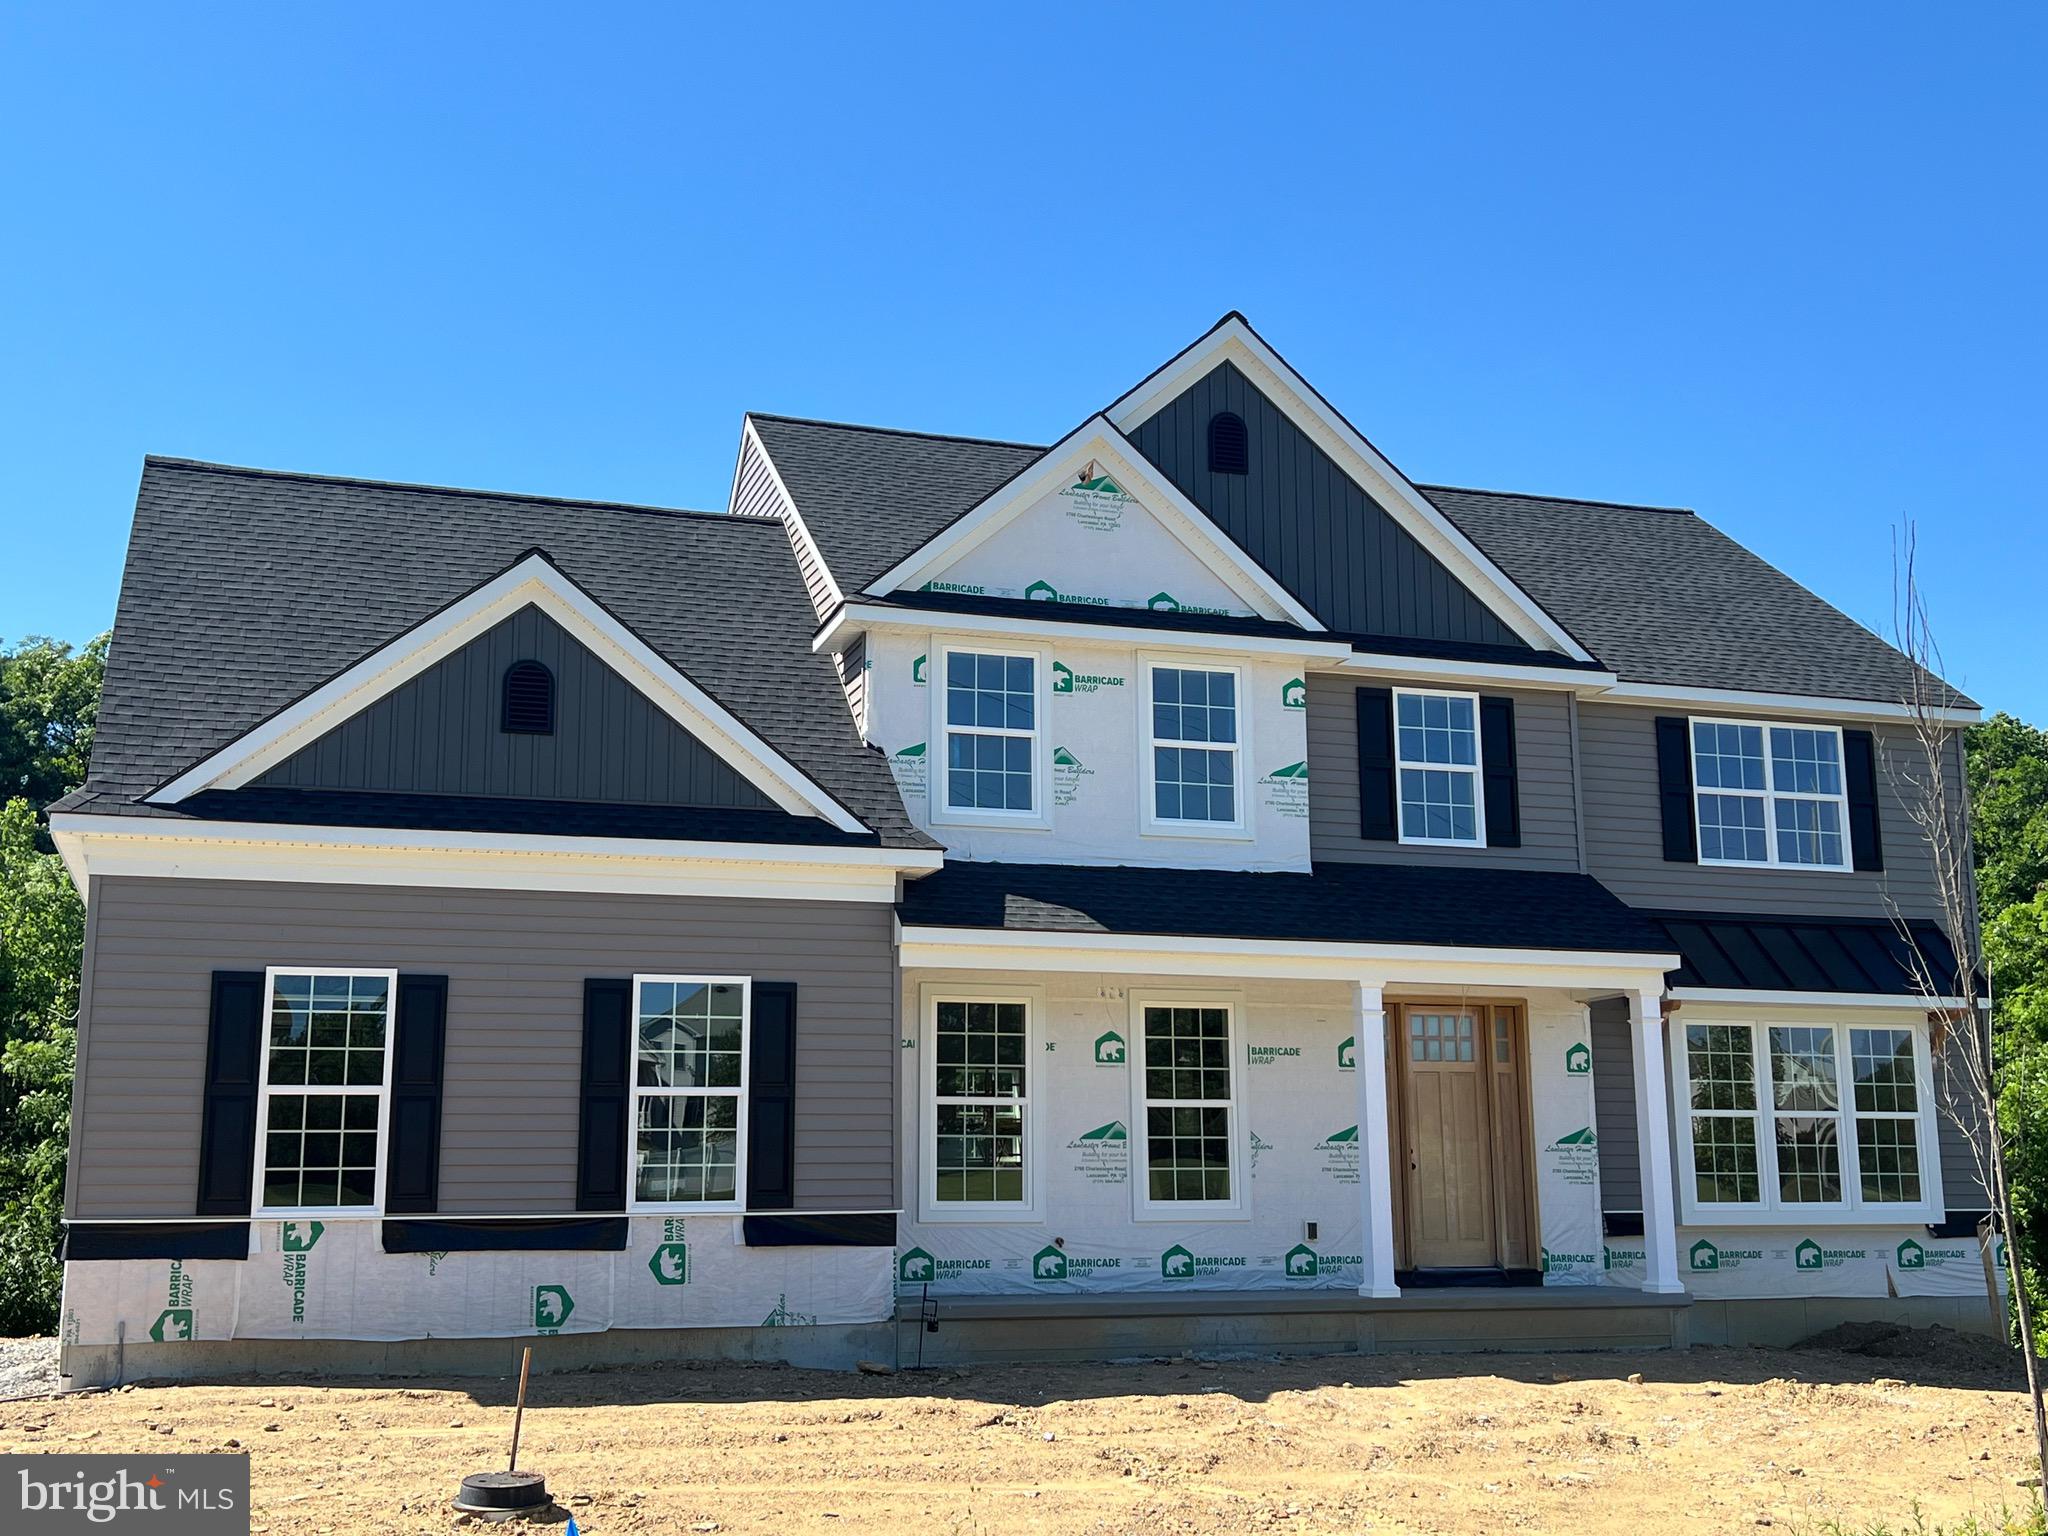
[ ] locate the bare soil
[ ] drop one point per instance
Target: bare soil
(1711, 1441)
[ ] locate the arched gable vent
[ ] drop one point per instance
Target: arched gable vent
(1228, 454)
(529, 700)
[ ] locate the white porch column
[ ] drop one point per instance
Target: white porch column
(1653, 1143)
(1375, 1146)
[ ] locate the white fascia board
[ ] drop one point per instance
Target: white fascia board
(1680, 696)
(793, 519)
(1098, 439)
(1237, 342)
(855, 617)
(147, 847)
(1379, 964)
(1716, 997)
(532, 580)
(1440, 669)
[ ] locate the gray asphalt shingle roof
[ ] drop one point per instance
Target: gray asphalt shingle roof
(1658, 595)
(245, 589)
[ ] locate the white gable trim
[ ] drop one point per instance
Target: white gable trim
(1236, 342)
(1098, 439)
(532, 580)
(823, 587)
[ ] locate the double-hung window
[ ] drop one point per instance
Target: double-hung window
(980, 1095)
(326, 1076)
(1436, 748)
(689, 1090)
(992, 733)
(1188, 1106)
(1794, 1119)
(1195, 747)
(1770, 794)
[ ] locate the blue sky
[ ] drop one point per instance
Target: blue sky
(1781, 265)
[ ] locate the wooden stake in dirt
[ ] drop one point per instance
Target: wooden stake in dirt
(519, 1413)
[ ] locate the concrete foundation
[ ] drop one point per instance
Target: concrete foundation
(1788, 1320)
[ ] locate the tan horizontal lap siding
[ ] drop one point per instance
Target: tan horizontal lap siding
(1543, 762)
(516, 963)
(1625, 832)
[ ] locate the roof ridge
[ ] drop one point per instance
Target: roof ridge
(860, 426)
(1569, 501)
(205, 466)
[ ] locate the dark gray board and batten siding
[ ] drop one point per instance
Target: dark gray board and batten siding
(1307, 522)
(516, 962)
(1625, 839)
(439, 734)
(1543, 763)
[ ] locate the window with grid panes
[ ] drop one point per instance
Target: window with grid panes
(1769, 794)
(981, 1101)
(1194, 745)
(1721, 1089)
(1440, 1037)
(1189, 1105)
(689, 1089)
(1436, 747)
(991, 709)
(325, 1057)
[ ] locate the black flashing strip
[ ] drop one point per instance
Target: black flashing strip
(863, 1231)
(543, 1234)
(1957, 1224)
(1623, 1223)
(157, 1240)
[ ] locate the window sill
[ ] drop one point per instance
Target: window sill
(997, 821)
(1796, 869)
(1440, 842)
(724, 1208)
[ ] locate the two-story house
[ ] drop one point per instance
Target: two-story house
(1185, 885)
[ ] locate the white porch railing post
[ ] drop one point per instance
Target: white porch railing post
(1653, 1144)
(1375, 1143)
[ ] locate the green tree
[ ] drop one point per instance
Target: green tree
(49, 699)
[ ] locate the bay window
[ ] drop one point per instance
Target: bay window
(1785, 1121)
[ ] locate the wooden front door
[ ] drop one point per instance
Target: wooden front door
(1446, 1065)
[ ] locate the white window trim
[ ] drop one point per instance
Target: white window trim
(929, 1207)
(1771, 1211)
(1770, 794)
(1150, 824)
(1039, 817)
(1143, 1206)
(270, 975)
(1477, 771)
(637, 1093)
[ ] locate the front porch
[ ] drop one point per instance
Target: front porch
(975, 1330)
(1228, 1197)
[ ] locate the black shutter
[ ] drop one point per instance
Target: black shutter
(1376, 765)
(1674, 789)
(227, 1127)
(1497, 767)
(1859, 771)
(412, 1162)
(771, 1099)
(607, 1094)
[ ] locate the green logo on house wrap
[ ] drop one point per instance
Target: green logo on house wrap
(1046, 592)
(1809, 1255)
(299, 1236)
(1294, 694)
(552, 1305)
(1067, 773)
(1066, 680)
(1180, 1263)
(918, 1267)
(1916, 1255)
(1301, 1262)
(1339, 1154)
(670, 1264)
(1347, 1053)
(175, 1323)
(1911, 1255)
(1575, 1156)
(1286, 790)
(1266, 1055)
(908, 764)
(1704, 1256)
(1096, 502)
(295, 1239)
(1559, 1263)
(1109, 1049)
(1578, 1059)
(1620, 1258)
(1114, 1131)
(1062, 758)
(1048, 1264)
(917, 671)
(1102, 1156)
(965, 588)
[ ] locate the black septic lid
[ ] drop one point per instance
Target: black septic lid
(502, 1493)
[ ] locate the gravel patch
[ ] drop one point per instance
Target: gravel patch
(28, 1368)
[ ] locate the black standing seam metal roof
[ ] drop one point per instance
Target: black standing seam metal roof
(1657, 594)
(1750, 953)
(1340, 903)
(246, 589)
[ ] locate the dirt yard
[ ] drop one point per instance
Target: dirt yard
(1717, 1440)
